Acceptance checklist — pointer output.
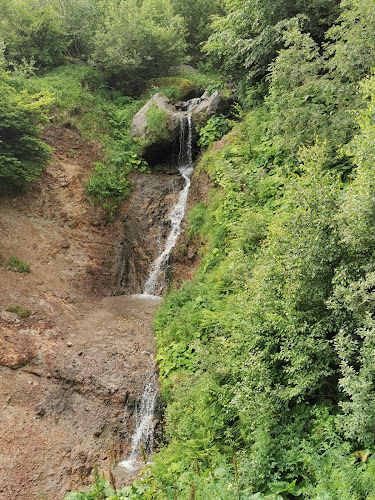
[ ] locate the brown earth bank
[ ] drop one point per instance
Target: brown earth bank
(69, 369)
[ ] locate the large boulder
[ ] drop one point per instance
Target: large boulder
(182, 69)
(156, 126)
(186, 88)
(216, 104)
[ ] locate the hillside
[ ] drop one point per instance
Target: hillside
(264, 338)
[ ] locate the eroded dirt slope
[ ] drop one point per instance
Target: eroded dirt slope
(66, 371)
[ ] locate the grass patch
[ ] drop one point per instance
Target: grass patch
(17, 265)
(173, 87)
(157, 122)
(22, 313)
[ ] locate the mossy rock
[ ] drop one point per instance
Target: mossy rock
(186, 88)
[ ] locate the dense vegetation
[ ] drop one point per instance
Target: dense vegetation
(267, 356)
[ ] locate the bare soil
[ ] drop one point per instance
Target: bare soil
(68, 370)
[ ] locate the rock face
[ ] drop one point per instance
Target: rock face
(69, 369)
(16, 348)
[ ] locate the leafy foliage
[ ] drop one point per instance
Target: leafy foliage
(32, 30)
(157, 124)
(138, 39)
(246, 39)
(17, 309)
(22, 152)
(215, 128)
(109, 187)
(196, 15)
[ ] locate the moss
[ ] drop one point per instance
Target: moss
(185, 87)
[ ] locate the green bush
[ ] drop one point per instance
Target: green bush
(32, 31)
(108, 186)
(22, 152)
(17, 265)
(138, 40)
(215, 128)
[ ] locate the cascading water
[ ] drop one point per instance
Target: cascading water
(185, 167)
(143, 437)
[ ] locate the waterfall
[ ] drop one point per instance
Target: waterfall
(185, 167)
(143, 436)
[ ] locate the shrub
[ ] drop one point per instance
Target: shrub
(215, 128)
(32, 32)
(108, 187)
(17, 265)
(22, 152)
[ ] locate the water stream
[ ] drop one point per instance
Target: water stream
(142, 439)
(143, 436)
(185, 167)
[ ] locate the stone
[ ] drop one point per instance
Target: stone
(65, 244)
(182, 69)
(139, 126)
(15, 350)
(9, 317)
(216, 104)
(156, 148)
(40, 410)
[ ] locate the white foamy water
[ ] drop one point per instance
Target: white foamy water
(143, 435)
(177, 214)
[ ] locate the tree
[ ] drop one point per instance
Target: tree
(304, 100)
(138, 39)
(22, 152)
(352, 48)
(246, 39)
(80, 19)
(197, 19)
(32, 30)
